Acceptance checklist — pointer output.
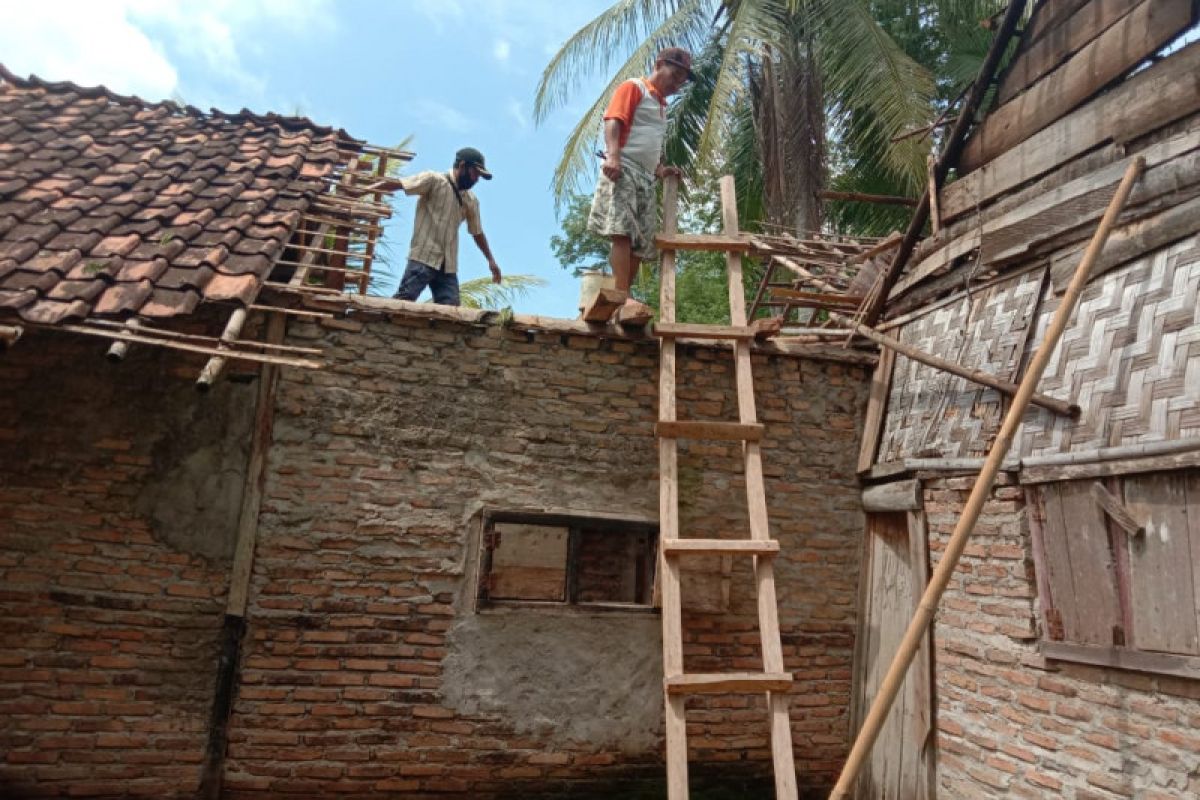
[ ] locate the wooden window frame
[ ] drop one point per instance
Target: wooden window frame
(577, 525)
(1102, 477)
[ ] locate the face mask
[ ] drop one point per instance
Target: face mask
(464, 177)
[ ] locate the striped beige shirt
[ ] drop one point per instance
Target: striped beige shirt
(435, 230)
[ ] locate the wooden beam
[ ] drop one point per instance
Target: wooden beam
(710, 242)
(1123, 658)
(860, 197)
(918, 628)
(1110, 467)
(1167, 91)
(893, 496)
(1147, 28)
(606, 303)
(1173, 165)
(260, 443)
(1115, 509)
(1059, 44)
(1006, 388)
(1047, 15)
(1133, 241)
(950, 155)
(800, 297)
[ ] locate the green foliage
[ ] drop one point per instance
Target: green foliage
(482, 293)
(578, 249)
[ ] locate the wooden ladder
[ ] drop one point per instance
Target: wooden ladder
(760, 547)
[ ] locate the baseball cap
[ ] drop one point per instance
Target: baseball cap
(676, 57)
(472, 156)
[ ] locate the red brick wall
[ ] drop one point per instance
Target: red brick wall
(1014, 725)
(367, 670)
(108, 621)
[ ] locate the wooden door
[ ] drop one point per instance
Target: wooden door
(895, 570)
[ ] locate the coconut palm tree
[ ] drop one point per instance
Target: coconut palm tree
(776, 81)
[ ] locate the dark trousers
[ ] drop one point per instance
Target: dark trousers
(442, 285)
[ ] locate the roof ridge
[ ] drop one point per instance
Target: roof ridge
(289, 123)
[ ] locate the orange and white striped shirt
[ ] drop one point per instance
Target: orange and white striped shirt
(643, 113)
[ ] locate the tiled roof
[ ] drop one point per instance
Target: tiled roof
(111, 206)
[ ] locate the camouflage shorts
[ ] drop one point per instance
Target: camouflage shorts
(627, 208)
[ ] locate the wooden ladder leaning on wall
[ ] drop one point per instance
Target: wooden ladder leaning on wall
(673, 548)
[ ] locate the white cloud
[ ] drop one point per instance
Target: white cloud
(88, 43)
(501, 50)
(433, 112)
(143, 47)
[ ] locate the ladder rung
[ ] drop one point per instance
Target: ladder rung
(726, 431)
(754, 547)
(694, 331)
(728, 682)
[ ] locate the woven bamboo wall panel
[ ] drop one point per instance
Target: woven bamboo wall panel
(933, 413)
(1130, 358)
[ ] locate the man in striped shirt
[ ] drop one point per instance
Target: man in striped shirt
(445, 201)
(624, 207)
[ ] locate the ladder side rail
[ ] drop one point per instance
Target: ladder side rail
(668, 515)
(764, 573)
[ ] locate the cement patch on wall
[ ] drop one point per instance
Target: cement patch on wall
(567, 679)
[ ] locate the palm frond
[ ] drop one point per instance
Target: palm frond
(866, 70)
(684, 26)
(482, 293)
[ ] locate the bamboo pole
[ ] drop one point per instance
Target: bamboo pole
(979, 492)
(974, 375)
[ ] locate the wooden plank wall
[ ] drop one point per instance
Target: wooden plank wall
(1078, 101)
(1075, 104)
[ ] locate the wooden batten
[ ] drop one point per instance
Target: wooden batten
(1088, 21)
(1058, 216)
(1137, 35)
(1109, 461)
(1132, 241)
(1168, 91)
(893, 496)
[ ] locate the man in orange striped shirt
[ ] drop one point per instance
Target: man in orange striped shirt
(623, 208)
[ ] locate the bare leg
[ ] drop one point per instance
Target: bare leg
(621, 258)
(625, 266)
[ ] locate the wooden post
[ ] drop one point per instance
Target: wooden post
(264, 415)
(973, 375)
(909, 645)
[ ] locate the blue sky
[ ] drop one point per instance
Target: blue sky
(448, 73)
